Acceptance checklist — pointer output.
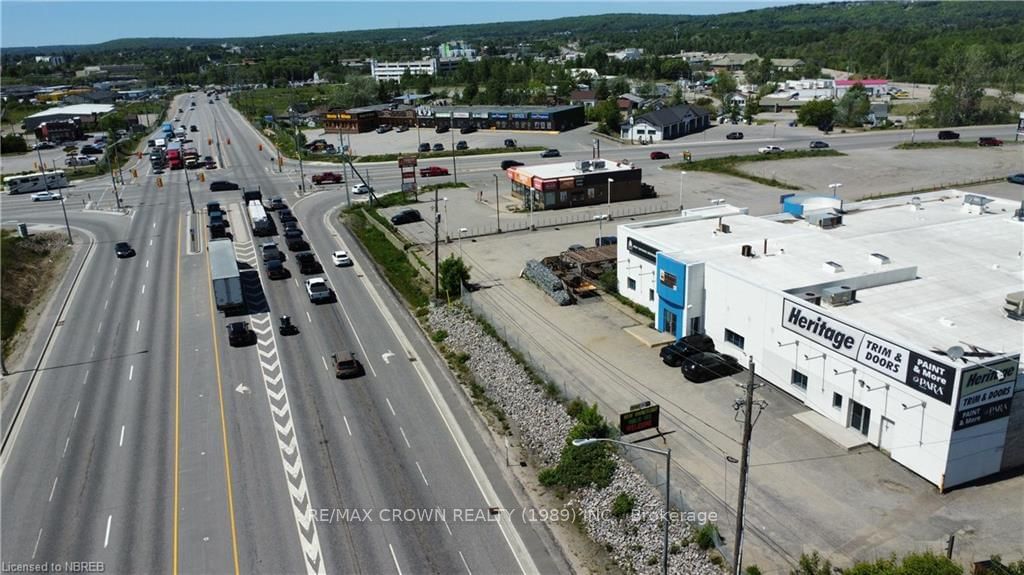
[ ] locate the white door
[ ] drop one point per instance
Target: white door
(885, 434)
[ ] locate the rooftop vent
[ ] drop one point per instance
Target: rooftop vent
(597, 164)
(832, 267)
(825, 220)
(1014, 306)
(583, 165)
(879, 259)
(837, 296)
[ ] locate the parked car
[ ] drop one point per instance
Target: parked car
(467, 129)
(276, 270)
(424, 147)
(1015, 179)
(674, 353)
(948, 135)
(223, 186)
(383, 128)
(44, 145)
(124, 250)
(659, 156)
(341, 258)
(461, 145)
(431, 171)
(402, 128)
(550, 153)
(606, 241)
(406, 216)
(989, 141)
(506, 164)
(361, 189)
(771, 150)
(328, 178)
(438, 147)
(346, 366)
(239, 334)
(308, 263)
(79, 160)
(90, 150)
(577, 248)
(318, 290)
(706, 366)
(510, 143)
(442, 129)
(46, 196)
(734, 136)
(819, 145)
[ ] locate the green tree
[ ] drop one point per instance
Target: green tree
(673, 68)
(852, 109)
(13, 144)
(957, 100)
(601, 91)
(751, 108)
(606, 114)
(470, 92)
(820, 113)
(677, 96)
(453, 273)
(812, 564)
(724, 85)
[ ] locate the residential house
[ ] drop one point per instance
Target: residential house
(627, 54)
(879, 114)
(666, 124)
(630, 102)
(731, 61)
(787, 64)
(585, 97)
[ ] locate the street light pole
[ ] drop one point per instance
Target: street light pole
(497, 211)
(610, 180)
(668, 469)
(834, 187)
(600, 229)
(437, 225)
(681, 175)
(461, 231)
(455, 169)
(447, 236)
(46, 185)
(298, 151)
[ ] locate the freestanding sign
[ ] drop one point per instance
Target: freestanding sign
(640, 419)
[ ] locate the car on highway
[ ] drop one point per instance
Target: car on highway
(442, 129)
(223, 186)
(308, 263)
(44, 145)
(402, 128)
(659, 156)
(438, 147)
(948, 135)
(239, 334)
(706, 366)
(770, 150)
(424, 147)
(286, 215)
(293, 232)
(989, 141)
(46, 196)
(734, 136)
(510, 143)
(276, 270)
(346, 366)
(361, 189)
(819, 145)
(213, 207)
(461, 145)
(550, 153)
(193, 128)
(467, 129)
(270, 251)
(124, 250)
(341, 258)
(431, 171)
(328, 178)
(1016, 179)
(318, 290)
(79, 160)
(506, 164)
(296, 244)
(210, 163)
(674, 353)
(276, 203)
(406, 216)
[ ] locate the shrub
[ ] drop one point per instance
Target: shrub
(623, 504)
(439, 336)
(706, 536)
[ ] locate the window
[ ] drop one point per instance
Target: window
(631, 283)
(650, 294)
(798, 379)
(734, 338)
(837, 401)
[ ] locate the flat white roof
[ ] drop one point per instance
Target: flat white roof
(567, 169)
(966, 264)
(76, 110)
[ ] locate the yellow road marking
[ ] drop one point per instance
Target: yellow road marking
(177, 390)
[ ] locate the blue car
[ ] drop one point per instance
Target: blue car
(550, 153)
(1016, 179)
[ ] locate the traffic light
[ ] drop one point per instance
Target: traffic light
(261, 147)
(159, 182)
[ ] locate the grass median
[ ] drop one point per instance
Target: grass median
(29, 269)
(390, 258)
(728, 165)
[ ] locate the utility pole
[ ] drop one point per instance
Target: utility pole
(437, 227)
(748, 426)
(455, 169)
(497, 211)
(298, 151)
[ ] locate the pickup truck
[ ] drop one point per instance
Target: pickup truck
(771, 150)
(328, 178)
(318, 290)
(433, 171)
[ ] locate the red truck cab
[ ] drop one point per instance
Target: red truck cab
(433, 171)
(328, 178)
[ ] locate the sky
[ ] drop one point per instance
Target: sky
(47, 23)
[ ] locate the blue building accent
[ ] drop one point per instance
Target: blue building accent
(671, 282)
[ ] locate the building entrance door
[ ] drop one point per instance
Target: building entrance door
(885, 435)
(860, 417)
(670, 323)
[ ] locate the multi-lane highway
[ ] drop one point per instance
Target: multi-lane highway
(149, 444)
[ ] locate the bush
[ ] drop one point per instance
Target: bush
(575, 407)
(439, 336)
(706, 536)
(609, 281)
(13, 144)
(586, 464)
(623, 505)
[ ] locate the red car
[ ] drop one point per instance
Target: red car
(433, 171)
(328, 178)
(659, 156)
(989, 141)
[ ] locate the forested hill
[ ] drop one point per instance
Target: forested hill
(903, 40)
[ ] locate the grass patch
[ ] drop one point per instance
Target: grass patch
(728, 165)
(445, 154)
(908, 108)
(29, 268)
(931, 144)
(396, 266)
(633, 305)
(442, 186)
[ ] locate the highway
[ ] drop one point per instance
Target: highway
(149, 444)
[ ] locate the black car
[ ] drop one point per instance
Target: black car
(550, 153)
(276, 203)
(308, 263)
(213, 206)
(438, 147)
(296, 244)
(706, 366)
(406, 216)
(240, 334)
(734, 136)
(276, 270)
(462, 145)
(948, 135)
(510, 164)
(441, 129)
(424, 147)
(1015, 179)
(223, 186)
(467, 129)
(606, 241)
(285, 215)
(91, 150)
(510, 143)
(346, 366)
(290, 225)
(673, 354)
(293, 233)
(819, 145)
(124, 250)
(193, 128)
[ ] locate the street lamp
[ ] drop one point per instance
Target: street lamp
(461, 231)
(668, 467)
(46, 185)
(681, 175)
(600, 230)
(834, 187)
(455, 169)
(447, 236)
(610, 180)
(497, 211)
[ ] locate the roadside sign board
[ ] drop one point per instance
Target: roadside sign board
(640, 419)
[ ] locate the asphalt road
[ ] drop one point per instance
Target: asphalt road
(149, 444)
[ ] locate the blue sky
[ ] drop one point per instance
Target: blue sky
(45, 23)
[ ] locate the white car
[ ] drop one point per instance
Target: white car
(79, 160)
(361, 189)
(341, 258)
(318, 290)
(771, 150)
(46, 196)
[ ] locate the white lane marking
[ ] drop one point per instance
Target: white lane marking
(106, 538)
(87, 371)
(143, 288)
(36, 548)
(397, 566)
(120, 442)
(446, 526)
(66, 442)
(296, 282)
(322, 358)
(112, 281)
(115, 271)
(75, 416)
(106, 303)
(131, 372)
(309, 317)
(99, 327)
(147, 263)
(464, 564)
(404, 437)
(154, 225)
(422, 474)
(150, 242)
(389, 406)
(346, 426)
(54, 488)
(138, 323)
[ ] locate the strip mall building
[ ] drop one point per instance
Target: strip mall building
(896, 322)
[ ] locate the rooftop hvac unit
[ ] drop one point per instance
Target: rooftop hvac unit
(1014, 306)
(832, 267)
(825, 220)
(747, 251)
(879, 259)
(837, 296)
(597, 164)
(583, 165)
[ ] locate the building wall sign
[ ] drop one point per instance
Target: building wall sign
(642, 250)
(460, 115)
(984, 396)
(909, 368)
(499, 115)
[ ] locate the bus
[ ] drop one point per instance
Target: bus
(28, 183)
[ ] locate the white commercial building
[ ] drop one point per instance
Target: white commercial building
(896, 322)
(394, 70)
